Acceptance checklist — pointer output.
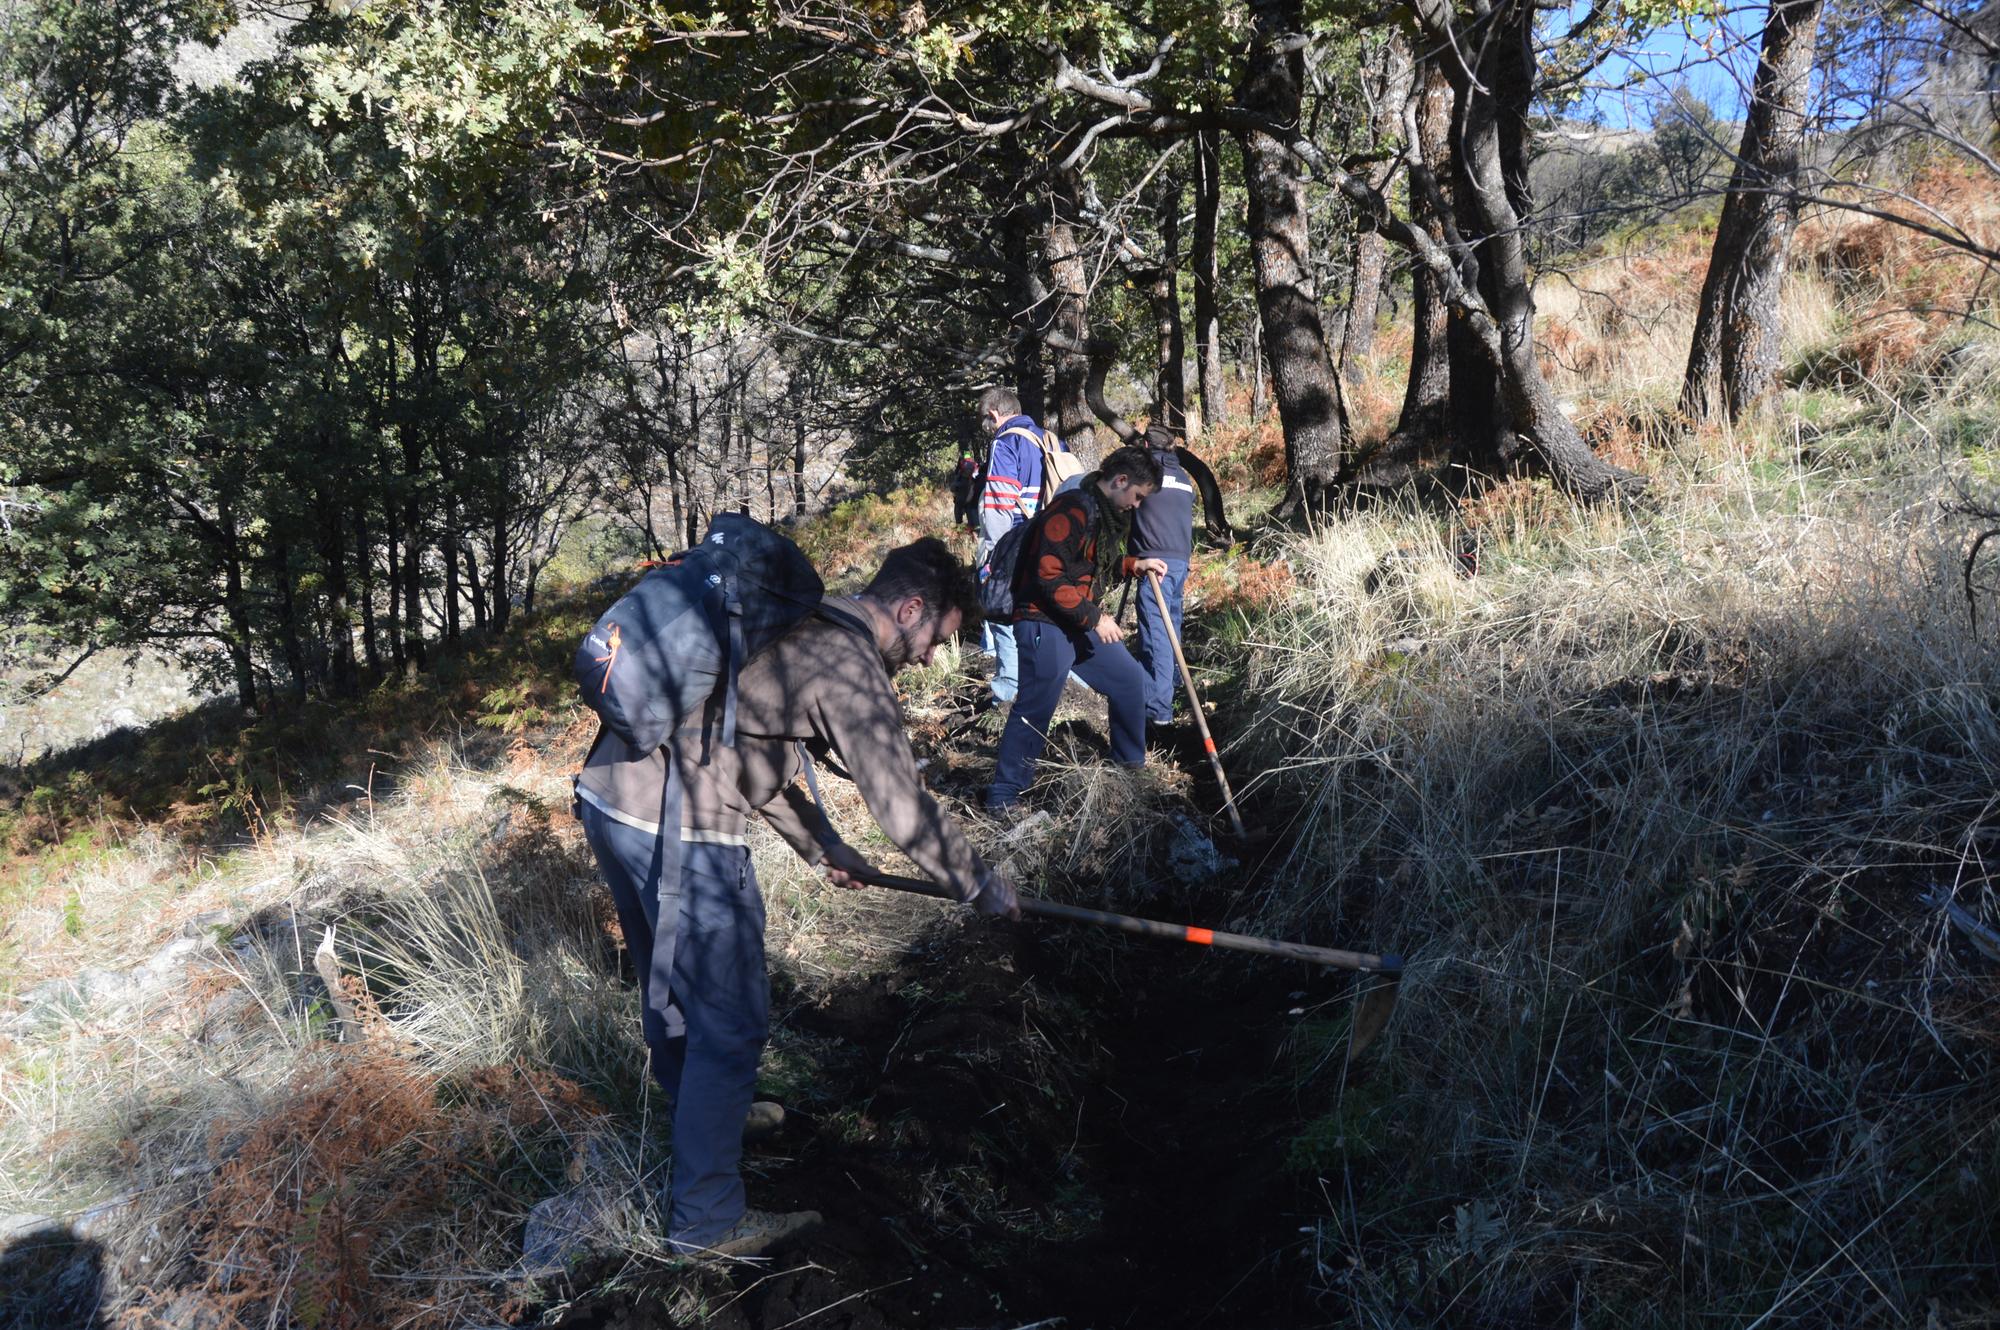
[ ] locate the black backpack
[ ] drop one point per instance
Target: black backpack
(680, 637)
(996, 593)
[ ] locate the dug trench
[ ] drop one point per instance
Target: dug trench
(1023, 1125)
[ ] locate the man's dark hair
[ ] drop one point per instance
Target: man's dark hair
(1135, 464)
(929, 569)
(1004, 400)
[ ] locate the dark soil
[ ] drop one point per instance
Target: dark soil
(1056, 1129)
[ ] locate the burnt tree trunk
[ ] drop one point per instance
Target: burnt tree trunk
(1207, 279)
(1733, 360)
(1302, 374)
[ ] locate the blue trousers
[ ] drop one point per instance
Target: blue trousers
(1006, 662)
(693, 920)
(1048, 654)
(1153, 650)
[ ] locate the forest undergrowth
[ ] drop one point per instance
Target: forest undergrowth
(1682, 814)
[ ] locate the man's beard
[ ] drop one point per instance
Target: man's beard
(902, 651)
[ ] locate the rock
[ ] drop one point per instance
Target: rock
(565, 1227)
(206, 923)
(13, 1228)
(1192, 856)
(97, 986)
(193, 1311)
(99, 1220)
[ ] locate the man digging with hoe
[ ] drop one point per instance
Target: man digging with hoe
(668, 827)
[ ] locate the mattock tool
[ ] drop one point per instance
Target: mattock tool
(1194, 704)
(1372, 1008)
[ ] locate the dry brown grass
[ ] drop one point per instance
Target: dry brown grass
(367, 1172)
(1649, 803)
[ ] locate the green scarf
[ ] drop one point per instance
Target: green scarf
(1114, 535)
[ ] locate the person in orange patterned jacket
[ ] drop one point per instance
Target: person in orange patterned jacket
(1074, 552)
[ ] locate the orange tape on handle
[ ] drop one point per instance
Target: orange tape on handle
(1209, 744)
(1205, 936)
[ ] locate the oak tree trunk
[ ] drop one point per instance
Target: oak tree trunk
(1068, 328)
(1386, 88)
(1170, 374)
(1302, 375)
(1733, 360)
(1207, 279)
(1493, 90)
(1423, 431)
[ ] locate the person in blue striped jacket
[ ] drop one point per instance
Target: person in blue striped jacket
(1012, 495)
(1163, 529)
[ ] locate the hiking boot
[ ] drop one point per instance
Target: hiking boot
(762, 1233)
(764, 1120)
(1005, 812)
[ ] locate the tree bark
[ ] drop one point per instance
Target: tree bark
(1386, 87)
(1493, 89)
(414, 649)
(1302, 375)
(1069, 320)
(503, 605)
(1367, 260)
(241, 662)
(1029, 313)
(339, 593)
(1170, 376)
(1207, 279)
(1213, 518)
(391, 544)
(1423, 432)
(799, 465)
(475, 592)
(364, 563)
(1733, 360)
(288, 621)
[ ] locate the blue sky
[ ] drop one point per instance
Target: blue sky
(1713, 57)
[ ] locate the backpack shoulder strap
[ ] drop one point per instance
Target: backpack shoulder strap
(840, 618)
